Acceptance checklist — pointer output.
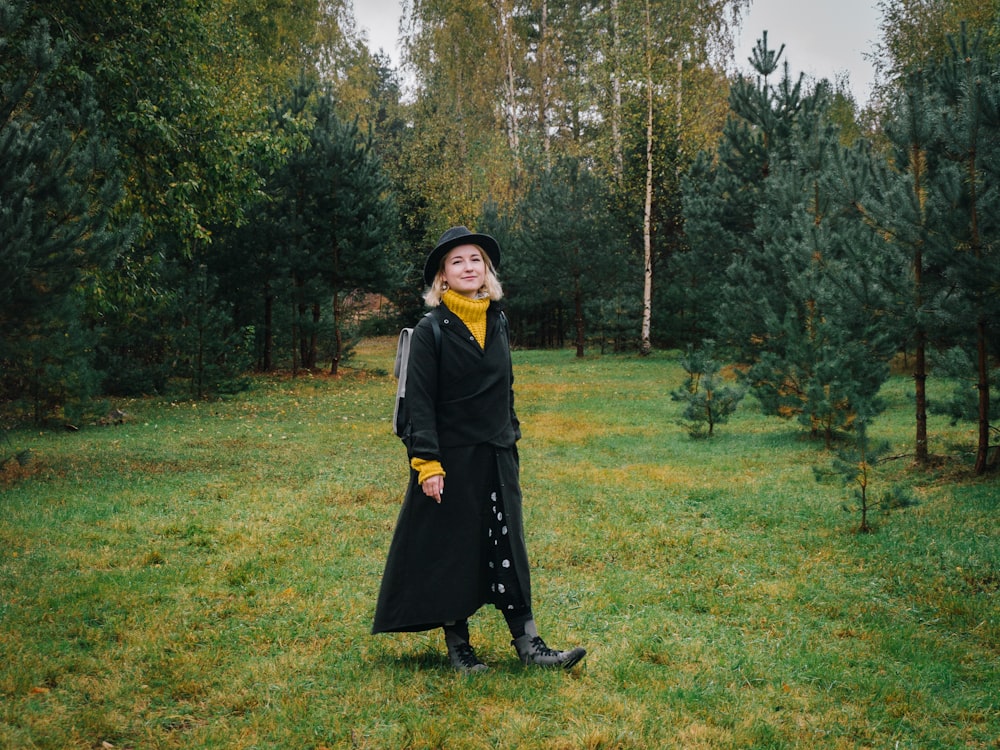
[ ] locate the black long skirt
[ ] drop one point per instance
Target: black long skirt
(445, 561)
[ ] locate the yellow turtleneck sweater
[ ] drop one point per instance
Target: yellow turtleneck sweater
(472, 312)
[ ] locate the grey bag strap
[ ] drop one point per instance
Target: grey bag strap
(400, 368)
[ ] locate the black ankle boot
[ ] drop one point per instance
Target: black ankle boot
(532, 651)
(461, 654)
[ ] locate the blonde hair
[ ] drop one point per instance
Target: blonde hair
(491, 284)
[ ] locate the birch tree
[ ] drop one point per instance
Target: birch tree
(674, 36)
(460, 149)
(915, 32)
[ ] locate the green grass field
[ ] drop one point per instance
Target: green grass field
(203, 576)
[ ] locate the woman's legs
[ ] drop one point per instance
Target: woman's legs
(507, 596)
(517, 619)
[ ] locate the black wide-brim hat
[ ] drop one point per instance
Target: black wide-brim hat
(453, 238)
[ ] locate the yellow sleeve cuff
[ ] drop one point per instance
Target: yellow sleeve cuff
(426, 468)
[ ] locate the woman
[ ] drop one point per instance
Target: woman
(453, 552)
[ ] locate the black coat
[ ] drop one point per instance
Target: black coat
(461, 405)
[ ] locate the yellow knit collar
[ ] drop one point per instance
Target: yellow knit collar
(464, 307)
(472, 312)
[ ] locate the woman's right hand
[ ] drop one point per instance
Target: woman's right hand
(433, 487)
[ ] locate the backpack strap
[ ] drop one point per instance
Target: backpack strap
(401, 368)
(402, 355)
(403, 349)
(436, 328)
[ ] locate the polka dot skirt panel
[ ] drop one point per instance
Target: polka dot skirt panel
(505, 590)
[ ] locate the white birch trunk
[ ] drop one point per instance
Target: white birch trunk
(645, 345)
(545, 80)
(617, 151)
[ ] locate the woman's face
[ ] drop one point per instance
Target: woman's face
(464, 269)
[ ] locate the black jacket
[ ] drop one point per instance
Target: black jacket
(462, 412)
(463, 394)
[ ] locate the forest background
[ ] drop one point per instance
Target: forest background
(191, 192)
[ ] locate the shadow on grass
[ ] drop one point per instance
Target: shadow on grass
(433, 664)
(412, 662)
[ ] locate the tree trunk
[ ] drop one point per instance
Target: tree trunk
(578, 304)
(303, 346)
(982, 358)
(679, 100)
(267, 358)
(314, 337)
(645, 345)
(982, 352)
(920, 390)
(545, 84)
(920, 364)
(505, 21)
(295, 341)
(618, 156)
(338, 338)
(199, 366)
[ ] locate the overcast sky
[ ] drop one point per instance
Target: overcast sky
(822, 38)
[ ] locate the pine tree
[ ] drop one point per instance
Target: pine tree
(58, 186)
(709, 400)
(213, 354)
(969, 126)
(854, 465)
(937, 200)
(803, 301)
(723, 190)
(330, 225)
(826, 336)
(903, 205)
(567, 251)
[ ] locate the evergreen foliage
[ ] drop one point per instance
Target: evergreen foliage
(566, 254)
(327, 230)
(709, 400)
(969, 128)
(937, 200)
(723, 189)
(213, 356)
(854, 465)
(58, 189)
(804, 300)
(902, 206)
(962, 405)
(268, 208)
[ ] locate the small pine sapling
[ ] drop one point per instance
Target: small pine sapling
(854, 466)
(709, 400)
